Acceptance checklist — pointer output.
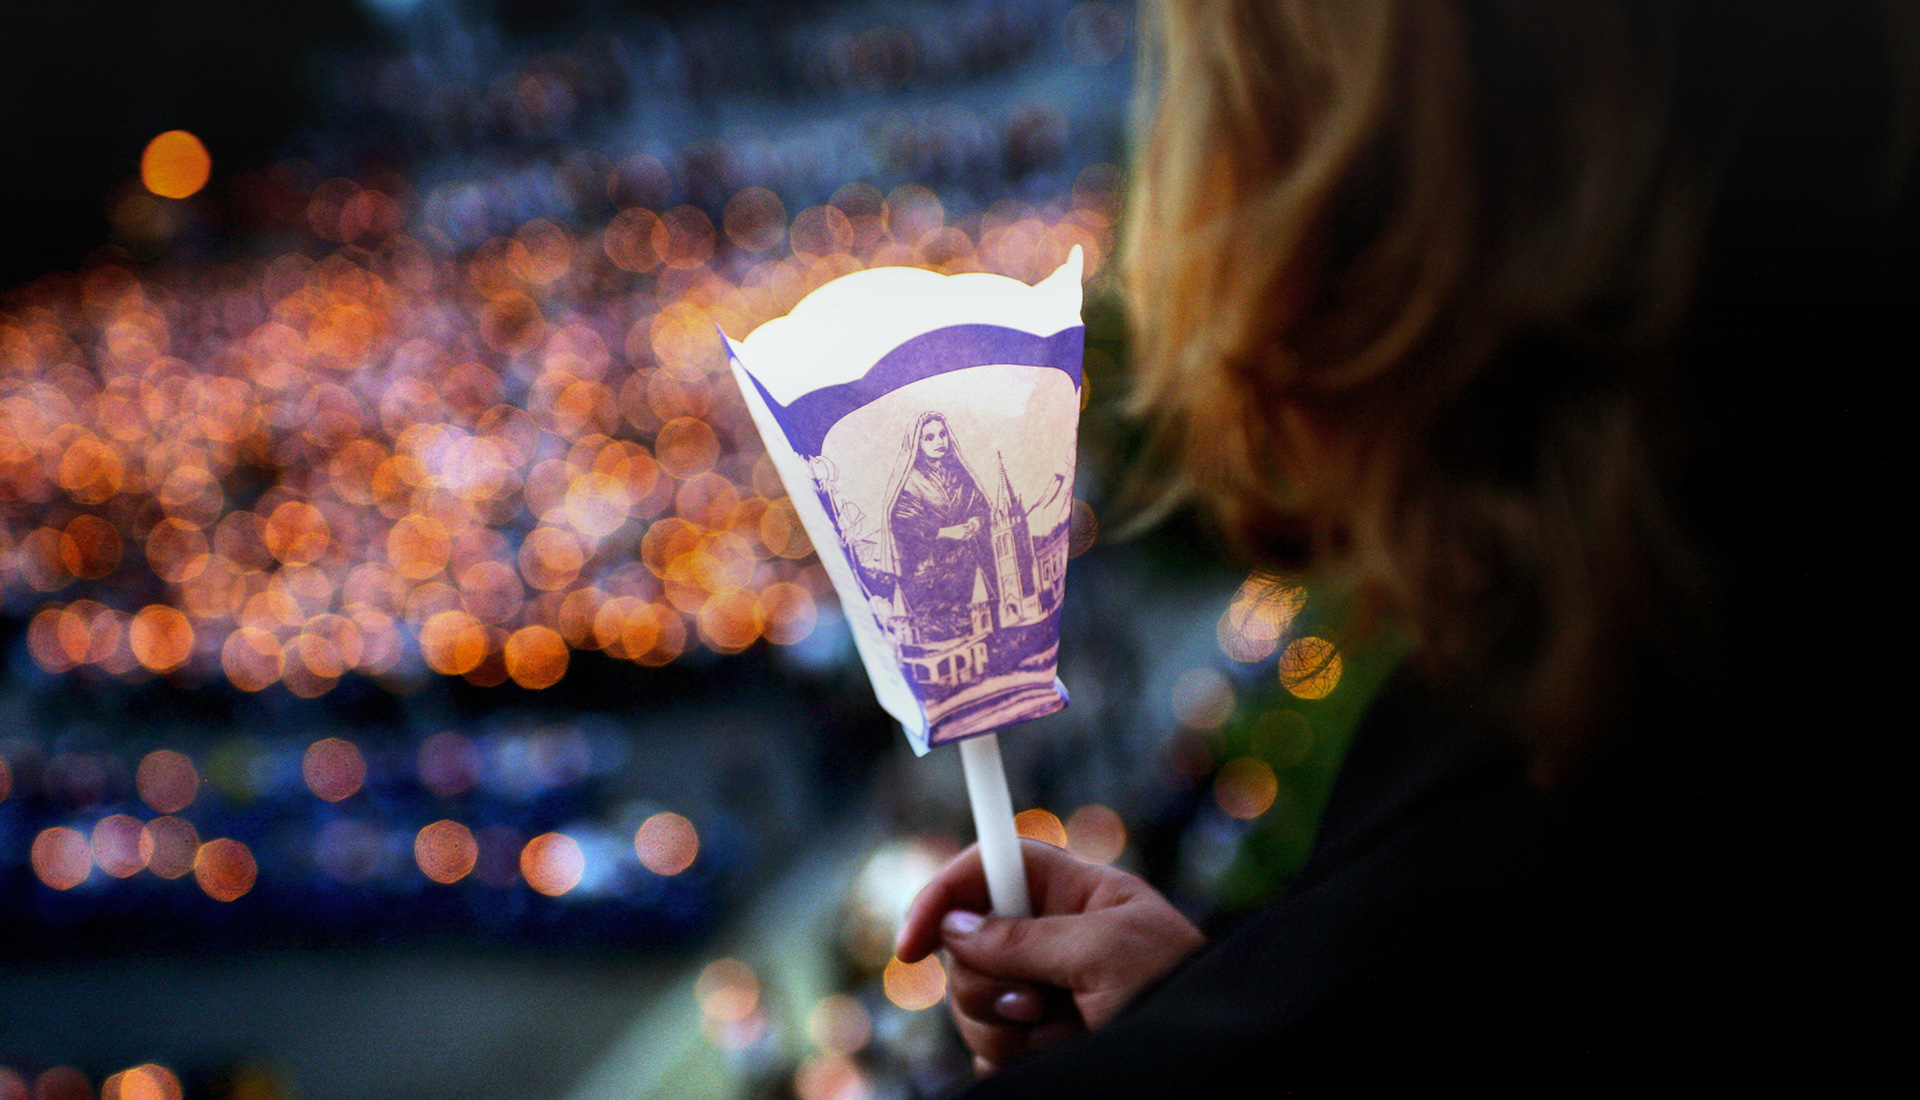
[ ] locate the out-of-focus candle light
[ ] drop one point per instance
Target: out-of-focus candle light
(839, 1024)
(224, 869)
(161, 638)
(1202, 699)
(728, 991)
(116, 845)
(61, 857)
(1310, 668)
(175, 165)
(168, 846)
(333, 768)
(536, 657)
(143, 1082)
(1096, 834)
(666, 843)
(389, 511)
(830, 1076)
(729, 996)
(1041, 825)
(1245, 788)
(445, 851)
(552, 863)
(915, 986)
(167, 781)
(1260, 614)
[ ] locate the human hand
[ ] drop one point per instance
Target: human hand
(1018, 985)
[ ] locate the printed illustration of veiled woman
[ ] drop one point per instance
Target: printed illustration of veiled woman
(941, 530)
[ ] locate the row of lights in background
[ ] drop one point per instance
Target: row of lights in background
(394, 461)
(333, 769)
(446, 851)
(149, 1081)
(447, 765)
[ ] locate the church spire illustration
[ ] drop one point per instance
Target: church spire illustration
(1013, 555)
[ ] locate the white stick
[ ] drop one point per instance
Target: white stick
(993, 823)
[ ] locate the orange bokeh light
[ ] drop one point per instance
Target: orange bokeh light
(1260, 614)
(1310, 668)
(915, 986)
(1245, 788)
(296, 533)
(787, 612)
(686, 447)
(445, 851)
(552, 863)
(333, 768)
(536, 657)
(728, 991)
(1096, 834)
(168, 846)
(145, 1082)
(1041, 825)
(225, 869)
(116, 845)
(175, 165)
(666, 843)
(418, 547)
(161, 638)
(453, 643)
(251, 658)
(62, 857)
(830, 1076)
(840, 1024)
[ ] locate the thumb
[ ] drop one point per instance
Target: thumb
(1054, 951)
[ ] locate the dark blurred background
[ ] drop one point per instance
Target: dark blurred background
(413, 682)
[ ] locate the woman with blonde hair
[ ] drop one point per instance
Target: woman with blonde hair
(1553, 333)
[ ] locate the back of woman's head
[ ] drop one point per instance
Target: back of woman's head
(1445, 298)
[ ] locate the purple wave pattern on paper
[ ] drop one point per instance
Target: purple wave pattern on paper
(955, 347)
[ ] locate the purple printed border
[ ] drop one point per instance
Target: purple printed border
(956, 347)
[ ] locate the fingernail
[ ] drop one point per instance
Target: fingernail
(1020, 1007)
(961, 922)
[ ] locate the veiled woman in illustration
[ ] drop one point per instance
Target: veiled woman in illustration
(940, 526)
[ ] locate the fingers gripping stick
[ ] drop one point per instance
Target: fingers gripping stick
(993, 822)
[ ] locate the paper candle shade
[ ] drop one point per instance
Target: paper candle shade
(924, 426)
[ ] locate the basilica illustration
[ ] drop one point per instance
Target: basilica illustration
(954, 570)
(1018, 583)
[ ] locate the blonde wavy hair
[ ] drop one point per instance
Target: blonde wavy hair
(1406, 281)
